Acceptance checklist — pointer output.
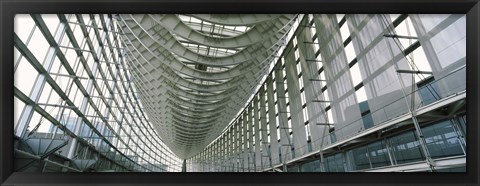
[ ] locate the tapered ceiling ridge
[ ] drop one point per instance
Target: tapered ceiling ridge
(193, 71)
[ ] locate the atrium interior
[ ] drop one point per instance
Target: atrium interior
(240, 93)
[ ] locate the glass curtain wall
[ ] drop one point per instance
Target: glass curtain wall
(341, 76)
(76, 103)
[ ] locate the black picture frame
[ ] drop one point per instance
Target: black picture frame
(8, 8)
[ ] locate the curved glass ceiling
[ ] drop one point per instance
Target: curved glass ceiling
(195, 73)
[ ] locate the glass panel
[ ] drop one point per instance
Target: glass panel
(334, 163)
(69, 123)
(23, 25)
(406, 148)
(24, 79)
(363, 106)
(361, 95)
(378, 154)
(333, 137)
(18, 108)
(441, 139)
(360, 158)
(429, 91)
(293, 169)
(349, 52)
(367, 121)
(356, 75)
(344, 31)
(340, 163)
(52, 21)
(40, 47)
(450, 43)
(313, 166)
(420, 60)
(37, 119)
(405, 28)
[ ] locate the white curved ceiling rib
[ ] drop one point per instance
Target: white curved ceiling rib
(235, 19)
(191, 96)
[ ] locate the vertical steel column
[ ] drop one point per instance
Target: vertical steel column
(263, 123)
(258, 133)
(299, 136)
(231, 146)
(282, 115)
(390, 151)
(323, 33)
(251, 138)
(311, 87)
(460, 135)
(272, 121)
(412, 110)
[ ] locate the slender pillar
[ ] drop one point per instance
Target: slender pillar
(184, 166)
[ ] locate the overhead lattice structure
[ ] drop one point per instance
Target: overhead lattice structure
(195, 72)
